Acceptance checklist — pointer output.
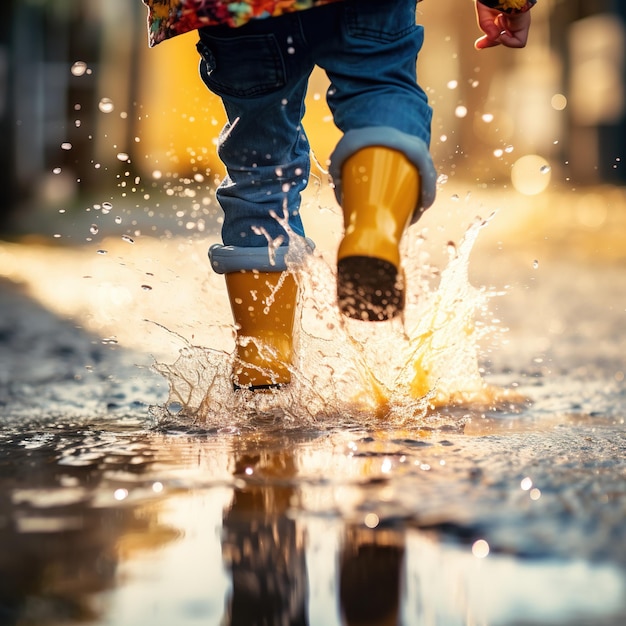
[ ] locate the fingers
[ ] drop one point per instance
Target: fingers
(485, 42)
(509, 40)
(510, 31)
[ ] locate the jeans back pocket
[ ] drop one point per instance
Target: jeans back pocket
(241, 66)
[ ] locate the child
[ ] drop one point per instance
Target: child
(381, 168)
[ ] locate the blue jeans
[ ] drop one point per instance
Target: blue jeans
(368, 49)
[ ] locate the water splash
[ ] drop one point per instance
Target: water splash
(351, 373)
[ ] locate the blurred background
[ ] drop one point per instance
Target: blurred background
(87, 110)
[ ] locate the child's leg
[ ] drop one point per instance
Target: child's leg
(263, 146)
(382, 168)
(266, 153)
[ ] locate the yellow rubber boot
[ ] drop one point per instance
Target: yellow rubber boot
(380, 192)
(263, 305)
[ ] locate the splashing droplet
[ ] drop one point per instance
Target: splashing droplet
(106, 105)
(531, 174)
(79, 68)
(460, 111)
(120, 494)
(480, 549)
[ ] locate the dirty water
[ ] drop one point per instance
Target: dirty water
(120, 505)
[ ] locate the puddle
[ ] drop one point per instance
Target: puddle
(409, 527)
(375, 492)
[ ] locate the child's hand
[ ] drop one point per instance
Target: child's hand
(501, 28)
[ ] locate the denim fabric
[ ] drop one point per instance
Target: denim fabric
(368, 49)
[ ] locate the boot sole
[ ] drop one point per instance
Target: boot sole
(369, 289)
(269, 387)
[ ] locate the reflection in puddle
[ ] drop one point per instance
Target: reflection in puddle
(409, 527)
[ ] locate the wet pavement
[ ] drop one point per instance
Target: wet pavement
(116, 509)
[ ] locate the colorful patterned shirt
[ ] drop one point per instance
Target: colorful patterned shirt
(168, 18)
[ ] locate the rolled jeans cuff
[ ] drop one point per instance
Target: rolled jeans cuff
(414, 148)
(228, 259)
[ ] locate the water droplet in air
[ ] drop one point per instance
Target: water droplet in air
(460, 111)
(146, 287)
(535, 264)
(480, 549)
(106, 105)
(102, 252)
(118, 219)
(66, 145)
(93, 229)
(56, 170)
(122, 156)
(128, 239)
(106, 207)
(371, 520)
(79, 68)
(531, 174)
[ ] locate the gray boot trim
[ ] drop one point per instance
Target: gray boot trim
(227, 259)
(414, 148)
